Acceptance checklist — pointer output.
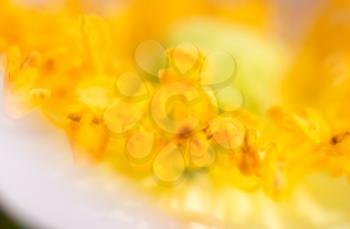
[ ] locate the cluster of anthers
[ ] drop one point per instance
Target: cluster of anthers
(165, 126)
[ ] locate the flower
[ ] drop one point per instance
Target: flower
(202, 115)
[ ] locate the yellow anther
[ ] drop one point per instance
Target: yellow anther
(140, 144)
(88, 136)
(122, 116)
(96, 92)
(187, 62)
(178, 105)
(228, 132)
(201, 152)
(248, 159)
(131, 85)
(39, 95)
(169, 164)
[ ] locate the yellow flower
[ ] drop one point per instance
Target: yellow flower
(195, 109)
